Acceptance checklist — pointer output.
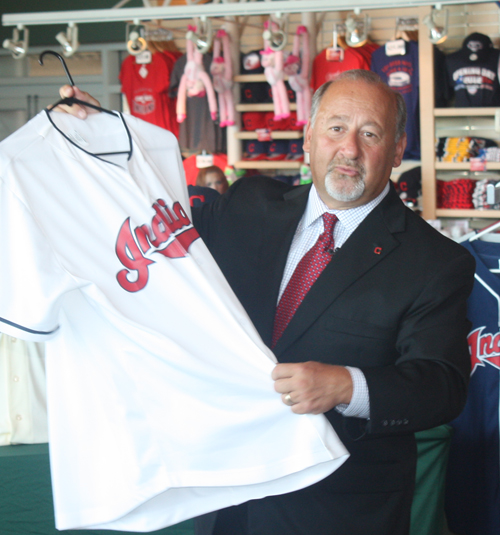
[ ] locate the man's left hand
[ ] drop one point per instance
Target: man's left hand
(312, 387)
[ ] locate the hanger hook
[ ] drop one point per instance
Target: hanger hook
(61, 59)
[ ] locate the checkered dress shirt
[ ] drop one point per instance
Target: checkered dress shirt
(306, 235)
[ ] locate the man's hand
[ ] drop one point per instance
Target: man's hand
(78, 111)
(312, 387)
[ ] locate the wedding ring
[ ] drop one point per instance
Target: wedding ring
(288, 399)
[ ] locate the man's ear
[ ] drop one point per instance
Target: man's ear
(307, 138)
(400, 150)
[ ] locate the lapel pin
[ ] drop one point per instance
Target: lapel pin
(377, 250)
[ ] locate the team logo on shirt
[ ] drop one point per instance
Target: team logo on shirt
(484, 348)
(170, 233)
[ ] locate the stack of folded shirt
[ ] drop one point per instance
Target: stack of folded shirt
(455, 194)
(462, 149)
(479, 195)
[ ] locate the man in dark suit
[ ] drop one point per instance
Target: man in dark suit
(378, 343)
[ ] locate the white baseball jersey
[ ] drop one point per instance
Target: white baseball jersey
(160, 398)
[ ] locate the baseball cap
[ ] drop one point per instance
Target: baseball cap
(255, 150)
(253, 120)
(295, 150)
(273, 125)
(278, 150)
(410, 186)
(477, 46)
(250, 63)
(255, 93)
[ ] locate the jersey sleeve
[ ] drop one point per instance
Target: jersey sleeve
(32, 282)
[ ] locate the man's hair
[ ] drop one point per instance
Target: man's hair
(369, 77)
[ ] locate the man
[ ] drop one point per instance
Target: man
(378, 342)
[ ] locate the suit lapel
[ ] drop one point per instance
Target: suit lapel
(372, 242)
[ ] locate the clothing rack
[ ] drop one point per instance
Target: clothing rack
(224, 9)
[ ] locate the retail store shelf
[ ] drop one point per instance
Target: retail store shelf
(490, 214)
(277, 134)
(465, 166)
(266, 164)
(261, 107)
(464, 112)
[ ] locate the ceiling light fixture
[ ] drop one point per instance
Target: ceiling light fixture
(17, 46)
(69, 40)
(437, 34)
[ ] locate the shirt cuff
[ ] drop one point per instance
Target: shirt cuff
(359, 407)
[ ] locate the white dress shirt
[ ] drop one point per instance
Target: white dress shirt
(309, 229)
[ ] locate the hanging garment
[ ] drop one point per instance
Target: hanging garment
(324, 70)
(401, 74)
(198, 131)
(473, 479)
(473, 72)
(160, 398)
(146, 88)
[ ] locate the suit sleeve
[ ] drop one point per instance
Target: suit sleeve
(427, 386)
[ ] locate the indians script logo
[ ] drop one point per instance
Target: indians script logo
(484, 348)
(170, 234)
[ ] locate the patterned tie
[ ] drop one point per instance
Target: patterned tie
(306, 272)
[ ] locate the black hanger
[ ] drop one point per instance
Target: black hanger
(70, 100)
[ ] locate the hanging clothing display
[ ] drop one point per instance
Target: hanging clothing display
(401, 74)
(473, 480)
(324, 70)
(160, 398)
(473, 72)
(146, 88)
(198, 131)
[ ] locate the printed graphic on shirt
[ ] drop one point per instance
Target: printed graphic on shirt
(170, 233)
(474, 79)
(399, 75)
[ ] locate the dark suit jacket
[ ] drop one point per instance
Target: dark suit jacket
(392, 302)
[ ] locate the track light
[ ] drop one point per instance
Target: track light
(201, 35)
(18, 47)
(356, 31)
(136, 44)
(275, 34)
(69, 40)
(437, 34)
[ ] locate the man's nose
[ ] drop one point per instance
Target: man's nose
(350, 146)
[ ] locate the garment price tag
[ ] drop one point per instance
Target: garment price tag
(204, 160)
(395, 48)
(334, 54)
(477, 164)
(263, 134)
(144, 57)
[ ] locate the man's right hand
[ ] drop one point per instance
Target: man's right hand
(78, 111)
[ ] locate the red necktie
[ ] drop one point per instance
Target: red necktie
(304, 276)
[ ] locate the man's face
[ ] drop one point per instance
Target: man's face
(352, 144)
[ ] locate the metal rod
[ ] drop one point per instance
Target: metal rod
(208, 10)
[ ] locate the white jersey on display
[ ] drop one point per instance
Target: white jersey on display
(160, 398)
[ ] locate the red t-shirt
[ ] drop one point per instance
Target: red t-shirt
(146, 88)
(324, 70)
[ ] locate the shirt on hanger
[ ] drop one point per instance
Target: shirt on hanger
(198, 131)
(402, 75)
(473, 478)
(146, 88)
(473, 72)
(160, 398)
(324, 70)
